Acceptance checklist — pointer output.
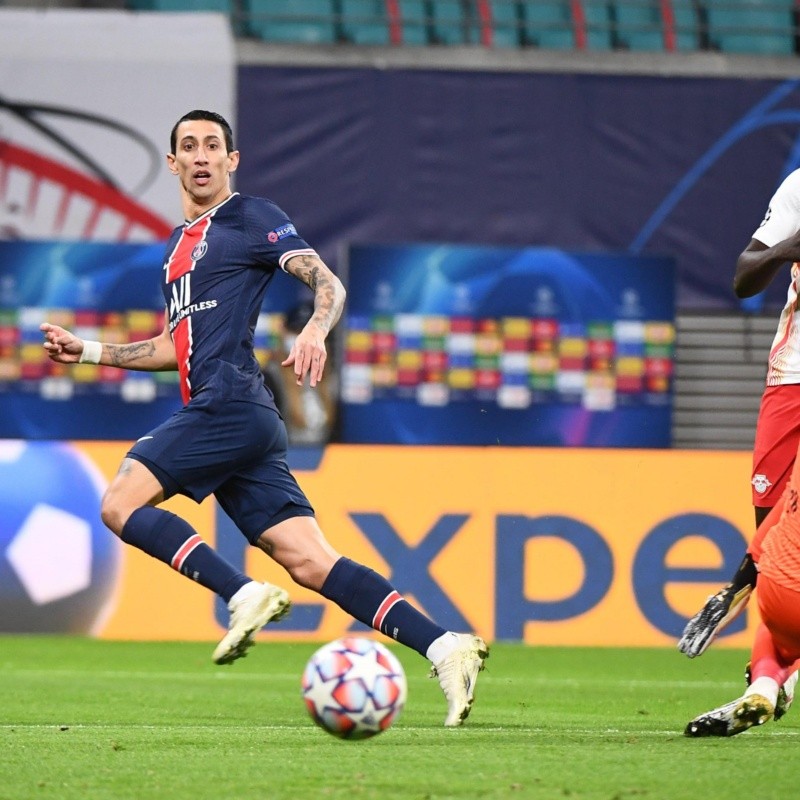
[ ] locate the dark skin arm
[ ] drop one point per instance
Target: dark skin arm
(758, 264)
(756, 267)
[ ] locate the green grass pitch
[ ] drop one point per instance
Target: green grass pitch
(85, 719)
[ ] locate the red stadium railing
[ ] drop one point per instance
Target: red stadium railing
(768, 27)
(578, 24)
(668, 17)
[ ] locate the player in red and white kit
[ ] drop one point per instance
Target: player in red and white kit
(775, 655)
(774, 243)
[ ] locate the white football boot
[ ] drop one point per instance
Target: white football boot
(458, 673)
(786, 695)
(251, 608)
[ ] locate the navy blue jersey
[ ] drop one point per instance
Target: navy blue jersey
(216, 272)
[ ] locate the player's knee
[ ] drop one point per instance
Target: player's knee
(308, 573)
(113, 512)
(302, 572)
(298, 545)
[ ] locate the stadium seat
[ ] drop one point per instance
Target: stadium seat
(302, 21)
(223, 6)
(637, 26)
(454, 22)
(598, 24)
(687, 25)
(363, 21)
(643, 25)
(416, 21)
(545, 24)
(761, 27)
(551, 25)
(508, 24)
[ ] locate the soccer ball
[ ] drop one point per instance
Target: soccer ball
(354, 688)
(58, 563)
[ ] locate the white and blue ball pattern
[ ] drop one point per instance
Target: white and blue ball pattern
(354, 688)
(58, 562)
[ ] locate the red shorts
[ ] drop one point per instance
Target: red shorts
(777, 439)
(780, 612)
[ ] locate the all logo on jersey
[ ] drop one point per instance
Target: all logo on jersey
(181, 295)
(181, 305)
(281, 233)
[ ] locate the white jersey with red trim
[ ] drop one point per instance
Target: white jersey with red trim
(216, 273)
(782, 220)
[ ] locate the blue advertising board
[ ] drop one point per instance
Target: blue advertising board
(105, 292)
(643, 164)
(456, 344)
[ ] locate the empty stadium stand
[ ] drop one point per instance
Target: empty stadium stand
(758, 27)
(720, 368)
(751, 27)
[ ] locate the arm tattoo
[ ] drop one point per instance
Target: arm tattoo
(328, 291)
(123, 355)
(307, 268)
(124, 467)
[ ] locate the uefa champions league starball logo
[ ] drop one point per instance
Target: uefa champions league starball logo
(58, 563)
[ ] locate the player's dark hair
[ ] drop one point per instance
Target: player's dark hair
(211, 116)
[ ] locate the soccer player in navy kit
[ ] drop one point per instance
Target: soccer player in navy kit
(229, 439)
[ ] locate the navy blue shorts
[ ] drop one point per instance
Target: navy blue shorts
(235, 451)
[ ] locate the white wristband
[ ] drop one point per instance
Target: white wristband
(92, 352)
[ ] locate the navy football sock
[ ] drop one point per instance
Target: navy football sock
(174, 541)
(371, 599)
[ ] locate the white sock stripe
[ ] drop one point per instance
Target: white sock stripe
(384, 608)
(184, 551)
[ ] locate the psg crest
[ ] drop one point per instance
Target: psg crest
(199, 250)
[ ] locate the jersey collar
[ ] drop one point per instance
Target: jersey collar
(211, 211)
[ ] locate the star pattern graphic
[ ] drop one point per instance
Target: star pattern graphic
(342, 700)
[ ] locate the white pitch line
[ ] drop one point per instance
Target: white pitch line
(227, 675)
(66, 727)
(146, 675)
(399, 730)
